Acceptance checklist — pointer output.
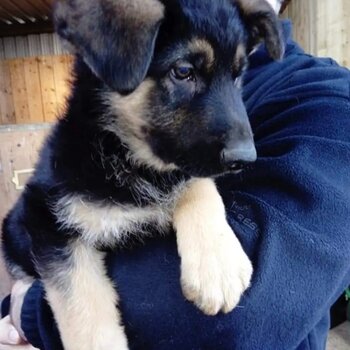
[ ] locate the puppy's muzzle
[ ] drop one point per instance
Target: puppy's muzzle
(237, 156)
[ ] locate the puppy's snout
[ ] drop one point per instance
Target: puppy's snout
(237, 157)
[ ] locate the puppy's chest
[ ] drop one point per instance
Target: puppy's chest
(99, 223)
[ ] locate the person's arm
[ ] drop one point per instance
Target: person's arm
(291, 213)
(292, 210)
(9, 337)
(11, 334)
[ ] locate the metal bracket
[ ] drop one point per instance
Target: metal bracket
(16, 178)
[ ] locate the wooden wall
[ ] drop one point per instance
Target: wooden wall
(322, 27)
(34, 79)
(19, 147)
(33, 89)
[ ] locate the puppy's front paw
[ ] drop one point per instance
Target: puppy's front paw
(215, 272)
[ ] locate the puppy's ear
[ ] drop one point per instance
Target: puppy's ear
(264, 25)
(116, 38)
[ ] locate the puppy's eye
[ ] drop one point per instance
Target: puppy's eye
(183, 73)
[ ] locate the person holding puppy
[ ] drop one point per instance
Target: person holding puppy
(290, 212)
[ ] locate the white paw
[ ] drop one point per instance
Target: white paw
(216, 272)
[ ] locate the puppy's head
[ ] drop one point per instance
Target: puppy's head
(172, 71)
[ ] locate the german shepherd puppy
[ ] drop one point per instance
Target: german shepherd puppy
(154, 116)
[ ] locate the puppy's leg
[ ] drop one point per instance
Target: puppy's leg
(84, 301)
(215, 271)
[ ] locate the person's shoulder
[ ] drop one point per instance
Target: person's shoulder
(295, 60)
(303, 69)
(297, 77)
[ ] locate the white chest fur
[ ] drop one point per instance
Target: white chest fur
(109, 224)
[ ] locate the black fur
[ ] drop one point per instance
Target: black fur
(186, 124)
(108, 33)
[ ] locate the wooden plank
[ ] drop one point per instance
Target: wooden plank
(346, 29)
(70, 59)
(19, 91)
(48, 91)
(313, 9)
(322, 27)
(70, 62)
(34, 89)
(300, 13)
(19, 150)
(61, 75)
(32, 81)
(7, 108)
(334, 29)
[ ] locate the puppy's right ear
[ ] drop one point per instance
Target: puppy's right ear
(263, 25)
(116, 38)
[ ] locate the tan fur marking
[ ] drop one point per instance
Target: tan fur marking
(266, 23)
(236, 65)
(109, 224)
(131, 111)
(239, 55)
(203, 47)
(141, 11)
(85, 310)
(250, 6)
(136, 18)
(135, 14)
(131, 108)
(215, 271)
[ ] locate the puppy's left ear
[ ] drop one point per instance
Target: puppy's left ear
(263, 25)
(116, 38)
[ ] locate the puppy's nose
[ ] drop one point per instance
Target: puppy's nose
(236, 158)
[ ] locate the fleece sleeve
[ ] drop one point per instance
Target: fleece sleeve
(291, 211)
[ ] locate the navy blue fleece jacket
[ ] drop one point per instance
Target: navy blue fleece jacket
(291, 211)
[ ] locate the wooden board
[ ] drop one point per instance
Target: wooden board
(322, 27)
(33, 85)
(7, 108)
(346, 39)
(48, 88)
(61, 75)
(34, 89)
(19, 91)
(18, 151)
